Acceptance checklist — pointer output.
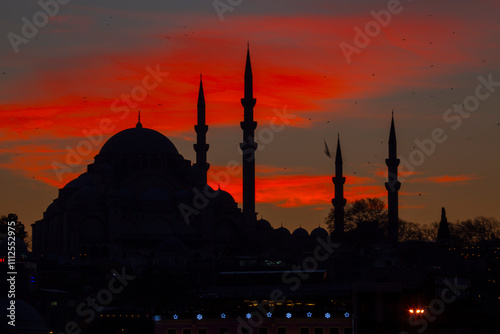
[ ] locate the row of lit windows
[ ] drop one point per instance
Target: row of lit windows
(288, 315)
(264, 330)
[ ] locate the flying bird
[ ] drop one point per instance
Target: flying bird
(326, 150)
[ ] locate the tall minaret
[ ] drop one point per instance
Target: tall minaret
(248, 146)
(339, 200)
(393, 185)
(201, 146)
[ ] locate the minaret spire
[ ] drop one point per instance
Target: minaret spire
(201, 146)
(138, 125)
(393, 185)
(248, 146)
(444, 235)
(339, 201)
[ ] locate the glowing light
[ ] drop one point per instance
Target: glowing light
(157, 318)
(288, 315)
(176, 317)
(199, 317)
(346, 314)
(309, 314)
(248, 315)
(411, 311)
(223, 316)
(327, 315)
(269, 314)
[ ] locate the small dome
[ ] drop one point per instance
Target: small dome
(263, 224)
(51, 208)
(300, 233)
(282, 231)
(319, 232)
(138, 140)
(223, 199)
(82, 181)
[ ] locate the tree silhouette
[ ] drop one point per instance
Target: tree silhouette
(367, 211)
(409, 231)
(19, 227)
(472, 231)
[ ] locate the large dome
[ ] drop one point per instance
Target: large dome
(138, 140)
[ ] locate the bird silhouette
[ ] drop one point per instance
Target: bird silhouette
(326, 150)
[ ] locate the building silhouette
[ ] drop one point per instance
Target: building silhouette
(204, 266)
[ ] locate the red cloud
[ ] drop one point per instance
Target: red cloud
(445, 179)
(293, 190)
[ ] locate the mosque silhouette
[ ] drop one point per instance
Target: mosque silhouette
(202, 265)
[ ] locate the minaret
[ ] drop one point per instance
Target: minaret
(393, 185)
(248, 146)
(201, 146)
(443, 235)
(339, 200)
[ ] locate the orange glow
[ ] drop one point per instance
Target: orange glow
(295, 190)
(56, 89)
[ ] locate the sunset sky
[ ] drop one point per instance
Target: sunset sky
(61, 80)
